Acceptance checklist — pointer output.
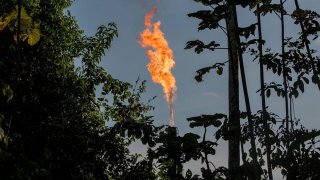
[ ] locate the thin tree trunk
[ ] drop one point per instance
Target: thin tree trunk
(289, 176)
(250, 121)
(206, 154)
(283, 68)
(263, 99)
(234, 119)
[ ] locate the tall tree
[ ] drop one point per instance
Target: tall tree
(286, 63)
(263, 95)
(234, 112)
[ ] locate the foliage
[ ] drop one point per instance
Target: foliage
(294, 148)
(53, 125)
(29, 30)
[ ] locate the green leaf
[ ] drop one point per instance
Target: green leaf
(29, 30)
(34, 36)
(25, 21)
(5, 140)
(3, 23)
(7, 92)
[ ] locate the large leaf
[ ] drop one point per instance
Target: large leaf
(34, 36)
(206, 120)
(199, 46)
(210, 19)
(208, 2)
(29, 30)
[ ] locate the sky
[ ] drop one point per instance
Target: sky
(127, 61)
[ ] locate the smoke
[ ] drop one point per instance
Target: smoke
(144, 4)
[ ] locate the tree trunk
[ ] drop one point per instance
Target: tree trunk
(235, 59)
(234, 119)
(250, 121)
(265, 116)
(284, 75)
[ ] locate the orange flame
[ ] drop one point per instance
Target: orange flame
(161, 59)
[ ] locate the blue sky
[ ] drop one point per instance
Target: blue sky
(126, 60)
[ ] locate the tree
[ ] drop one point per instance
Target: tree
(52, 124)
(290, 62)
(234, 119)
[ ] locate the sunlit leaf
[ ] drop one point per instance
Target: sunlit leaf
(34, 37)
(29, 30)
(3, 23)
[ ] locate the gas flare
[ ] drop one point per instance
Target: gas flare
(161, 59)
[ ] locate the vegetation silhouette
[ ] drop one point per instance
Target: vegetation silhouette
(54, 124)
